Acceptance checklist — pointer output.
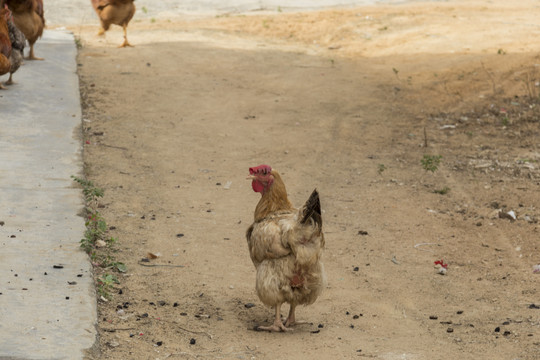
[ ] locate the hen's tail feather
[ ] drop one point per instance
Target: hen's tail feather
(312, 209)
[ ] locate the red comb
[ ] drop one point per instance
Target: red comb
(258, 169)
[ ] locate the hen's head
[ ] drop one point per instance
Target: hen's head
(262, 178)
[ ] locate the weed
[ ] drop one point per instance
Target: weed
(442, 191)
(144, 9)
(396, 72)
(381, 168)
(153, 20)
(95, 237)
(279, 9)
(501, 52)
(105, 284)
(78, 43)
(431, 162)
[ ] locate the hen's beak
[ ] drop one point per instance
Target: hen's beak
(251, 177)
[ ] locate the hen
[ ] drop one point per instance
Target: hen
(28, 16)
(5, 43)
(285, 245)
(17, 43)
(118, 12)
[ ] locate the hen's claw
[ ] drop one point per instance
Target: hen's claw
(276, 327)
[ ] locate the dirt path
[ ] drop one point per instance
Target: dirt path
(172, 125)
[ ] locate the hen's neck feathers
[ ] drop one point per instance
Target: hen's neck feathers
(274, 199)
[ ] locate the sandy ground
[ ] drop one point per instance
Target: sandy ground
(347, 101)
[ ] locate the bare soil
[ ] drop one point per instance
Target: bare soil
(348, 102)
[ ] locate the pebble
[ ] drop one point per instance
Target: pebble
(192, 341)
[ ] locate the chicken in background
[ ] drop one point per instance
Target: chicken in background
(286, 246)
(17, 44)
(5, 43)
(28, 16)
(118, 12)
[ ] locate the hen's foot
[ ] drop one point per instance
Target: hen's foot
(289, 322)
(2, 87)
(125, 44)
(276, 327)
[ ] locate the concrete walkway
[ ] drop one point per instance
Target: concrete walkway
(47, 298)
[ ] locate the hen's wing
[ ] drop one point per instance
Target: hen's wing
(265, 240)
(298, 232)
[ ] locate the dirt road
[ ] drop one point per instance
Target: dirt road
(349, 102)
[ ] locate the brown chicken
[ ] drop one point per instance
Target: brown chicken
(118, 12)
(5, 42)
(28, 16)
(285, 245)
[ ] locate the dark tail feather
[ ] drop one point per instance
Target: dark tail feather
(312, 209)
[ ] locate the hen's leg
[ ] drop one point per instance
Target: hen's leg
(291, 319)
(31, 55)
(278, 324)
(10, 80)
(125, 43)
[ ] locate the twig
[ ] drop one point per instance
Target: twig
(117, 329)
(425, 138)
(422, 244)
(155, 265)
(196, 332)
(490, 76)
(114, 147)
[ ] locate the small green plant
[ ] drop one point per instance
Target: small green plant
(153, 20)
(144, 9)
(279, 9)
(442, 191)
(105, 284)
(381, 168)
(78, 43)
(95, 241)
(501, 52)
(505, 121)
(431, 162)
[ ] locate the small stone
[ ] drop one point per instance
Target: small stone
(449, 330)
(249, 305)
(497, 329)
(192, 341)
(433, 317)
(159, 343)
